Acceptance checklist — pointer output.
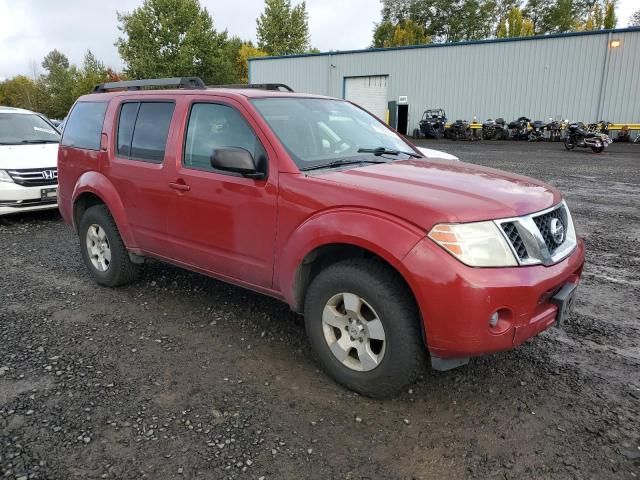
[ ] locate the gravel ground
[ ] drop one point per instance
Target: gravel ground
(181, 376)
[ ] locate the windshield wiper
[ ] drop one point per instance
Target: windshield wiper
(40, 141)
(339, 163)
(386, 151)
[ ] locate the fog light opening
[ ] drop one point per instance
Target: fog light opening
(500, 321)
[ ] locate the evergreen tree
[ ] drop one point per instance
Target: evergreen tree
(610, 21)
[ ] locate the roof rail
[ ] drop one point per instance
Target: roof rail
(188, 83)
(278, 87)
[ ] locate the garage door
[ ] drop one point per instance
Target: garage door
(368, 92)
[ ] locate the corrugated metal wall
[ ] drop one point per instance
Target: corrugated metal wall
(579, 77)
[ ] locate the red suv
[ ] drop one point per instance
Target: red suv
(314, 201)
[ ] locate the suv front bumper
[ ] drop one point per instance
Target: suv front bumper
(15, 198)
(457, 301)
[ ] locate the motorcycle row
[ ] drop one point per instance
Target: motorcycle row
(572, 134)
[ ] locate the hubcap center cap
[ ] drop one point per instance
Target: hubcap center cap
(356, 331)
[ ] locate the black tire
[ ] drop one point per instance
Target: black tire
(598, 149)
(384, 291)
(568, 144)
(120, 270)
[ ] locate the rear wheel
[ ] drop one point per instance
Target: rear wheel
(597, 149)
(364, 327)
(102, 248)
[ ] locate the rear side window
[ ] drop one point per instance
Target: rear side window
(143, 128)
(84, 125)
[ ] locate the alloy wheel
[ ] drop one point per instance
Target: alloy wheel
(354, 332)
(98, 248)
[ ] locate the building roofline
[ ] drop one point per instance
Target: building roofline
(454, 44)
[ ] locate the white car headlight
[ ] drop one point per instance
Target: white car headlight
(477, 244)
(5, 177)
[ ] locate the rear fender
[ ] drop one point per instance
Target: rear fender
(99, 185)
(388, 237)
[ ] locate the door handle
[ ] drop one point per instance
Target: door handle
(181, 187)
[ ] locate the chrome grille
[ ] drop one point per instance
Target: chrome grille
(543, 222)
(516, 240)
(34, 177)
(530, 236)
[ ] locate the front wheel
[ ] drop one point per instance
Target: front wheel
(569, 144)
(597, 149)
(364, 327)
(102, 248)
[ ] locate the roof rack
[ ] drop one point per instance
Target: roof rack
(188, 83)
(278, 87)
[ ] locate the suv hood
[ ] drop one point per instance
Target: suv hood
(451, 191)
(41, 155)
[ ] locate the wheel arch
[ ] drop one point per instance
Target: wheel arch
(328, 254)
(93, 188)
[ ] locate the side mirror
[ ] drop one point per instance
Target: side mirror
(237, 160)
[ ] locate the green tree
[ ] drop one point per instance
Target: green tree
(174, 38)
(247, 51)
(537, 11)
(22, 92)
(446, 20)
(405, 32)
(610, 21)
(58, 83)
(283, 29)
(92, 72)
(634, 21)
(563, 16)
(515, 25)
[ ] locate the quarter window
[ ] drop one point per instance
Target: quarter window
(213, 126)
(143, 128)
(84, 126)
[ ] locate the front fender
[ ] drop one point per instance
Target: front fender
(386, 236)
(99, 185)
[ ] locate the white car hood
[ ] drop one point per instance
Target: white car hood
(430, 153)
(43, 155)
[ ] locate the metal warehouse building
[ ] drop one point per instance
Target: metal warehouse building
(584, 76)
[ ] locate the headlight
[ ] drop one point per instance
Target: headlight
(5, 177)
(475, 244)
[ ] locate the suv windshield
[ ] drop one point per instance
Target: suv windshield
(24, 128)
(323, 132)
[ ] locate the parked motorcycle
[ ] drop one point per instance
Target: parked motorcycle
(495, 129)
(519, 129)
(554, 127)
(579, 136)
(460, 130)
(536, 132)
(433, 123)
(599, 127)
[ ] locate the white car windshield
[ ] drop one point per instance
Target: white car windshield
(323, 132)
(25, 128)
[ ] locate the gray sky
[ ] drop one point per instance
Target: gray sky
(29, 29)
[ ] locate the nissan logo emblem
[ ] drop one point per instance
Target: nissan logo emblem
(556, 229)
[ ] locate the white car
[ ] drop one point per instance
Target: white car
(430, 153)
(28, 162)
